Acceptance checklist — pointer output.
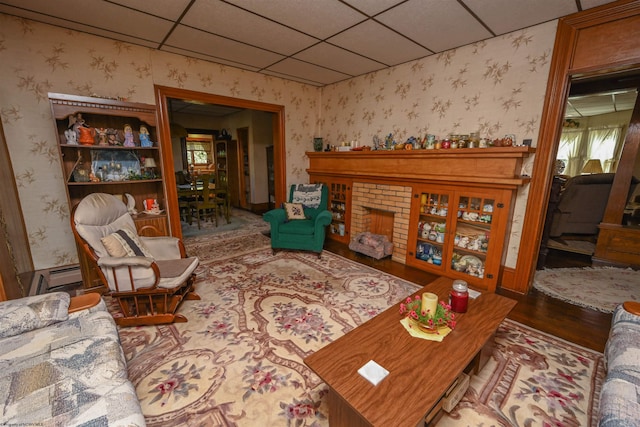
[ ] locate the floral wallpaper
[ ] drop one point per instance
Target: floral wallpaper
(39, 58)
(494, 87)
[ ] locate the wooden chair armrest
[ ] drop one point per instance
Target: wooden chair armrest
(83, 302)
(632, 307)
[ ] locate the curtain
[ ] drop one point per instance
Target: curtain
(198, 145)
(569, 150)
(604, 143)
(577, 146)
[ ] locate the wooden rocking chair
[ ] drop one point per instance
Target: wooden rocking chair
(148, 276)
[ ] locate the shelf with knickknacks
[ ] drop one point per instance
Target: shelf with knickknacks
(450, 142)
(106, 146)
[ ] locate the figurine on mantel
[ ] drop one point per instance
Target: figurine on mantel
(128, 136)
(144, 137)
(112, 137)
(102, 136)
(72, 134)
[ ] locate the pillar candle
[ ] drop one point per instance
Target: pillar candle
(430, 303)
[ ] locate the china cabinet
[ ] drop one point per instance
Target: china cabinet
(458, 233)
(221, 155)
(271, 181)
(339, 204)
(111, 147)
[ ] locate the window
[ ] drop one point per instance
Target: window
(199, 150)
(577, 146)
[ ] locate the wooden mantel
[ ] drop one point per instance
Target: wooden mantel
(496, 167)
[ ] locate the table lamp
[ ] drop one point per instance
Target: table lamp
(149, 167)
(592, 166)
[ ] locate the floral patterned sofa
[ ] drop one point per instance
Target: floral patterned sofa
(61, 363)
(620, 395)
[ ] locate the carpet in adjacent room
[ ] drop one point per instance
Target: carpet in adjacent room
(601, 288)
(241, 222)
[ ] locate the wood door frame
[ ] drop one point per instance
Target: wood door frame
(163, 93)
(578, 51)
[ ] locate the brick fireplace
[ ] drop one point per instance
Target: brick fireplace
(371, 200)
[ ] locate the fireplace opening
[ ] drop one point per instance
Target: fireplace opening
(383, 210)
(380, 222)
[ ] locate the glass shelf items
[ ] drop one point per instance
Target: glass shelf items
(432, 226)
(451, 230)
(338, 208)
(339, 204)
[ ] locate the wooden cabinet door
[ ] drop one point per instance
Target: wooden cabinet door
(459, 233)
(428, 245)
(339, 204)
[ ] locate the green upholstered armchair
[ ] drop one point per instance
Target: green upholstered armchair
(301, 234)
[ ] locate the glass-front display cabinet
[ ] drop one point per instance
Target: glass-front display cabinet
(339, 204)
(458, 233)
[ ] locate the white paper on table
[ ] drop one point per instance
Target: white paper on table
(373, 372)
(474, 294)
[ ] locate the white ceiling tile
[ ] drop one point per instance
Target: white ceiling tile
(169, 9)
(293, 67)
(504, 16)
(373, 7)
(100, 15)
(338, 59)
(229, 21)
(218, 47)
(294, 78)
(435, 24)
(208, 58)
(379, 43)
(318, 18)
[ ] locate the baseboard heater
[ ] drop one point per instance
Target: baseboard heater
(56, 278)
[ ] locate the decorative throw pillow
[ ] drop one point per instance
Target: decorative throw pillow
(310, 195)
(123, 243)
(33, 312)
(294, 211)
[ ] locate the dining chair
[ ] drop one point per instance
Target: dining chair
(206, 204)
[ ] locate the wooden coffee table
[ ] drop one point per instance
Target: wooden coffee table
(420, 371)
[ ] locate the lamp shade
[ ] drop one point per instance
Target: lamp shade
(149, 162)
(592, 166)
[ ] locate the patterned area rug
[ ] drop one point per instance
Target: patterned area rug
(238, 361)
(532, 379)
(600, 289)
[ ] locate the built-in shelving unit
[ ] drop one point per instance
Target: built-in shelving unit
(111, 147)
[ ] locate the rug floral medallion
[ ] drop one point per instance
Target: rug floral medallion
(238, 361)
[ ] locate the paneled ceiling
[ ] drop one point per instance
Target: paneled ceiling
(601, 103)
(317, 42)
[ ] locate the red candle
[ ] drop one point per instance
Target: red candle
(459, 296)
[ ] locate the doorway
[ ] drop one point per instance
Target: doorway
(590, 147)
(164, 94)
(597, 41)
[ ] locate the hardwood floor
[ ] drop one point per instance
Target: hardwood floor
(585, 327)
